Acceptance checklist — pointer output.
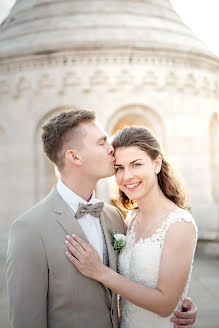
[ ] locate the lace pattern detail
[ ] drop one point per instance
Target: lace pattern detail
(130, 218)
(140, 262)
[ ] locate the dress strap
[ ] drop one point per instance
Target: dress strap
(178, 215)
(130, 218)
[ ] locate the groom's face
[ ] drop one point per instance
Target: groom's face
(97, 154)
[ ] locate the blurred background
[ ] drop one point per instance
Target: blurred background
(144, 62)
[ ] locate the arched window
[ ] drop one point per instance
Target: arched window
(5, 184)
(214, 155)
(139, 115)
(46, 174)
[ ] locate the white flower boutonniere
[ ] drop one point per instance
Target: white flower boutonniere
(118, 241)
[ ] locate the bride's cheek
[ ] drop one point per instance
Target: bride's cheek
(119, 181)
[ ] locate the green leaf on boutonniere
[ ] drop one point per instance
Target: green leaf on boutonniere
(118, 241)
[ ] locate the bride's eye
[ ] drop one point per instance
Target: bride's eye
(118, 168)
(136, 164)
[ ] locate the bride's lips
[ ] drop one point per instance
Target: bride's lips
(132, 186)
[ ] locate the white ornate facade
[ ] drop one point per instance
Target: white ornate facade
(130, 61)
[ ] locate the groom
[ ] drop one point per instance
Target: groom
(45, 290)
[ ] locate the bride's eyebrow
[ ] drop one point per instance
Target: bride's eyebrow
(139, 159)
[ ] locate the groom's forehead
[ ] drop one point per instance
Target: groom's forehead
(100, 128)
(94, 130)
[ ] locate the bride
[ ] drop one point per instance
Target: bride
(156, 256)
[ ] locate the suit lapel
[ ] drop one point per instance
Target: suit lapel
(111, 253)
(66, 217)
(67, 220)
(108, 236)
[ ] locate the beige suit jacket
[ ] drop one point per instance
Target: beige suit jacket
(45, 289)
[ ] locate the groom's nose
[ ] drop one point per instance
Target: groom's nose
(111, 150)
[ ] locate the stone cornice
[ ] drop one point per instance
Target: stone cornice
(159, 72)
(101, 57)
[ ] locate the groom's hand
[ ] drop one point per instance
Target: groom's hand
(187, 318)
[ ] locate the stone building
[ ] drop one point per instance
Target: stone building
(133, 62)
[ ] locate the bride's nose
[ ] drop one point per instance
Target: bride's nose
(127, 175)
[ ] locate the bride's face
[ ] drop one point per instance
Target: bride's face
(136, 172)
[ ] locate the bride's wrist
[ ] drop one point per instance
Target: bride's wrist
(102, 273)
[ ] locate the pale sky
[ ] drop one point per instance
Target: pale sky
(200, 15)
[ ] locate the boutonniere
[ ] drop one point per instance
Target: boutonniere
(118, 241)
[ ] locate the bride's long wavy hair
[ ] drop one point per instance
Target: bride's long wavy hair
(167, 180)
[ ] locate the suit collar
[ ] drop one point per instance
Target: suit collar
(70, 197)
(65, 216)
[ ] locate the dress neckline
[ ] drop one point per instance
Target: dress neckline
(142, 239)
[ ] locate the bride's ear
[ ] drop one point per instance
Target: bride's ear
(73, 156)
(157, 164)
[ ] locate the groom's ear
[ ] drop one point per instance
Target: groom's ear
(73, 156)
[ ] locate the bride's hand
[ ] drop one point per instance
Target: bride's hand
(84, 257)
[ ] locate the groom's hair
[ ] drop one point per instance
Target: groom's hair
(62, 132)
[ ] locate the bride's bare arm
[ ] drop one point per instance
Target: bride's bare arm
(174, 270)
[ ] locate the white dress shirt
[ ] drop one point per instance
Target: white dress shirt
(89, 224)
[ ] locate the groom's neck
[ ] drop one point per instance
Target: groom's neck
(81, 187)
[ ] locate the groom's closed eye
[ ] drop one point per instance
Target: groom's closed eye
(102, 140)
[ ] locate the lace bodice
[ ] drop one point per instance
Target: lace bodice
(140, 262)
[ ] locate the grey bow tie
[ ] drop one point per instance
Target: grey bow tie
(93, 209)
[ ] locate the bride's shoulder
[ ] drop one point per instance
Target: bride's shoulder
(180, 215)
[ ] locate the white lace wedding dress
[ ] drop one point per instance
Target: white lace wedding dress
(140, 262)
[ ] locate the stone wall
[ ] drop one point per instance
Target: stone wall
(177, 96)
